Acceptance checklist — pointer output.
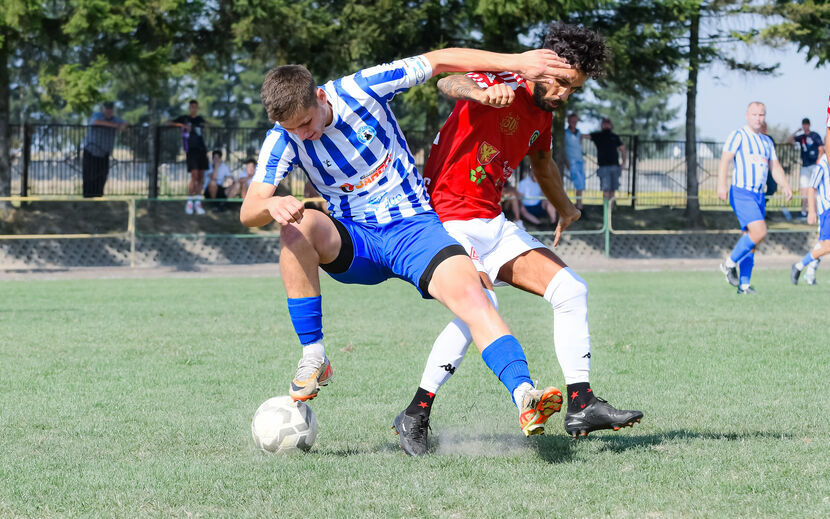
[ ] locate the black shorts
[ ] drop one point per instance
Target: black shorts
(197, 159)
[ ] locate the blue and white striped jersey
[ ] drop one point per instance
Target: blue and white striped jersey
(821, 182)
(753, 153)
(362, 164)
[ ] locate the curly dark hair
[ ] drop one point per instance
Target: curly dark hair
(581, 47)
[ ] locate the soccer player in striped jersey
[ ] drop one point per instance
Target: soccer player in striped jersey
(753, 156)
(818, 203)
(346, 140)
(498, 119)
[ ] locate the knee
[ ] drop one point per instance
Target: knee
(293, 236)
(569, 290)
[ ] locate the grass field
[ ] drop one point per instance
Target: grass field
(133, 398)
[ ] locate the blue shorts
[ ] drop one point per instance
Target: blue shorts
(748, 206)
(409, 249)
(824, 226)
(609, 177)
(536, 210)
(577, 170)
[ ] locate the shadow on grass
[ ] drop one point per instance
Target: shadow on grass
(624, 442)
(553, 448)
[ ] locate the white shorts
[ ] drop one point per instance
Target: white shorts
(806, 175)
(492, 243)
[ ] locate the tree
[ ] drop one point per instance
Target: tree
(652, 42)
(644, 113)
(805, 23)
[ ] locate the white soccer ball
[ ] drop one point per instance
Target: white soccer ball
(283, 426)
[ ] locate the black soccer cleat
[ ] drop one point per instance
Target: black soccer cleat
(412, 430)
(794, 274)
(746, 290)
(598, 415)
(731, 274)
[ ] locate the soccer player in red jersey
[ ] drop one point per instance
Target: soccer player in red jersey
(498, 119)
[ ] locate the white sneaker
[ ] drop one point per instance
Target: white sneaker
(199, 209)
(189, 207)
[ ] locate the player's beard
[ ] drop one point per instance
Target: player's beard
(541, 102)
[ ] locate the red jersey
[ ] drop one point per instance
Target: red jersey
(480, 147)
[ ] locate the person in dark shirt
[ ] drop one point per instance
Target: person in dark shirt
(98, 145)
(809, 142)
(609, 149)
(193, 126)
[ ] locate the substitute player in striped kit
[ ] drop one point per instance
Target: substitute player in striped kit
(499, 119)
(345, 138)
(818, 210)
(753, 156)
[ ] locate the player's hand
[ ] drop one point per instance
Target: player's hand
(286, 210)
(497, 96)
(788, 193)
(564, 223)
(811, 217)
(542, 65)
(723, 193)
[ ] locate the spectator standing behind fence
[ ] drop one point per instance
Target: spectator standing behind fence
(573, 157)
(753, 156)
(193, 126)
(98, 144)
(609, 148)
(809, 142)
(216, 176)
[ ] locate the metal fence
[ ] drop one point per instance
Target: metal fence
(150, 161)
(656, 171)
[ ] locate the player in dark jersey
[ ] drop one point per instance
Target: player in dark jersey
(498, 120)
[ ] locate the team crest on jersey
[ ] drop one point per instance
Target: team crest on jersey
(533, 138)
(486, 153)
(509, 123)
(365, 134)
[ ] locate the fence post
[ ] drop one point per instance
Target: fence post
(27, 159)
(606, 225)
(635, 148)
(155, 149)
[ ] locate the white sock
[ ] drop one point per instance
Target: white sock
(568, 294)
(729, 263)
(448, 351)
(315, 350)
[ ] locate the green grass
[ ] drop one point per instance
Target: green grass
(133, 398)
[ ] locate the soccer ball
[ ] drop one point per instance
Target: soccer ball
(283, 426)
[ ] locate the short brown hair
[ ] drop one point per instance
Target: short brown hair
(287, 90)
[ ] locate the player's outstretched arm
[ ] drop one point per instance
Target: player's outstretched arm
(781, 178)
(463, 88)
(541, 65)
(723, 188)
(260, 207)
(550, 181)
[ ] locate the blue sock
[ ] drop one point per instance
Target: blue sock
(806, 260)
(307, 317)
(742, 248)
(506, 358)
(745, 267)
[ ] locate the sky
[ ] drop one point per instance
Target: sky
(798, 90)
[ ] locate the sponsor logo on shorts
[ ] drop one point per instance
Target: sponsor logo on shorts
(474, 254)
(509, 123)
(533, 138)
(365, 134)
(486, 153)
(368, 178)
